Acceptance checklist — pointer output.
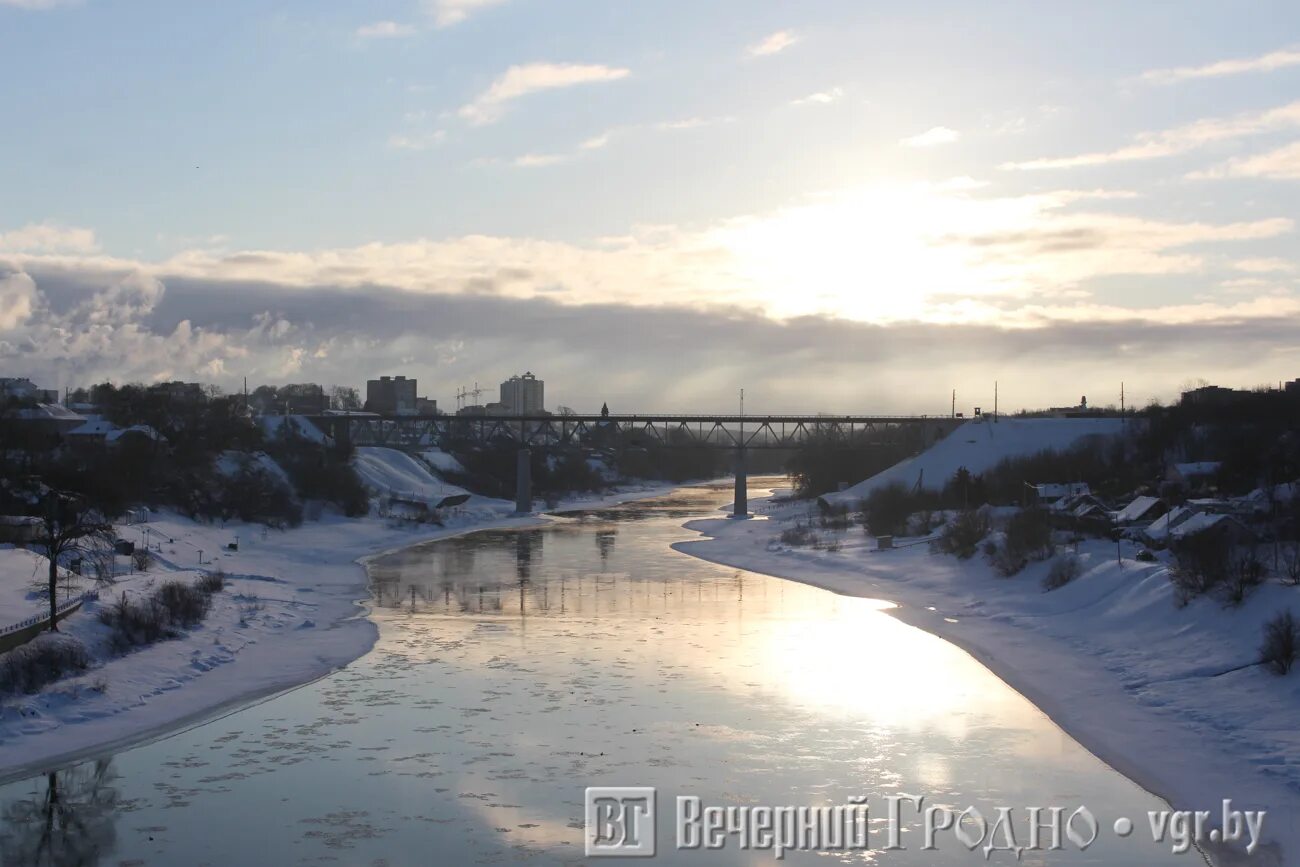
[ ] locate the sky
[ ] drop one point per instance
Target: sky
(837, 205)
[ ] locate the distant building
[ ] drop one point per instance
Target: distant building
(391, 395)
(520, 395)
(1192, 475)
(426, 406)
(21, 388)
(305, 398)
(1211, 395)
(185, 392)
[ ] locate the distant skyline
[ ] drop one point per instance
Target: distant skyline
(835, 205)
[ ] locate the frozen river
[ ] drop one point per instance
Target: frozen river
(515, 668)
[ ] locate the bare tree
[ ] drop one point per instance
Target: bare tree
(67, 525)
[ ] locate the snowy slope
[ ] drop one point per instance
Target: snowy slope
(978, 446)
(389, 471)
(443, 462)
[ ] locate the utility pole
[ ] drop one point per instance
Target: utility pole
(954, 403)
(1122, 422)
(995, 400)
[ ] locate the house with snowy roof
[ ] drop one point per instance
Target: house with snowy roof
(1141, 511)
(1193, 475)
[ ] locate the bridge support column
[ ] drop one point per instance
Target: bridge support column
(524, 482)
(740, 508)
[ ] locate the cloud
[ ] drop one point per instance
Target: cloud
(48, 237)
(1264, 266)
(385, 30)
(1269, 62)
(825, 97)
(416, 141)
(883, 252)
(1280, 164)
(17, 300)
(220, 329)
(935, 135)
(448, 13)
(773, 43)
(520, 81)
(1165, 143)
(530, 161)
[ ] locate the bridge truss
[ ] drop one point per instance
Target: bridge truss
(664, 431)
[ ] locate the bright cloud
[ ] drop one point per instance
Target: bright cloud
(520, 81)
(1165, 143)
(773, 43)
(1280, 164)
(935, 135)
(882, 253)
(48, 237)
(385, 30)
(532, 161)
(448, 13)
(1269, 62)
(824, 97)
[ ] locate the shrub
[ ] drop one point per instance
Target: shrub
(798, 536)
(185, 604)
(887, 509)
(1063, 570)
(44, 659)
(1201, 564)
(212, 582)
(134, 624)
(963, 534)
(1245, 573)
(1145, 556)
(1291, 563)
(142, 559)
(1028, 537)
(1281, 643)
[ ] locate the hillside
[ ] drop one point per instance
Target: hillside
(979, 446)
(389, 471)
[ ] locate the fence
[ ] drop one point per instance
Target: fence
(17, 634)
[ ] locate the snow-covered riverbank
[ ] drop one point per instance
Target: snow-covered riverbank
(292, 610)
(1168, 696)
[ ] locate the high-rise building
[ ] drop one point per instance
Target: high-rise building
(391, 395)
(522, 395)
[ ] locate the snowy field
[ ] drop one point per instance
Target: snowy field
(1169, 696)
(292, 611)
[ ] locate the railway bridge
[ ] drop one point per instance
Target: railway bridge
(733, 432)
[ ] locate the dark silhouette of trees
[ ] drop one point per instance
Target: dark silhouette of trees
(67, 523)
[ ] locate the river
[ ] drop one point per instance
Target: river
(515, 668)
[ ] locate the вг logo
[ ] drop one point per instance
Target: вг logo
(620, 821)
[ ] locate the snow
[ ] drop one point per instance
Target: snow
(389, 472)
(1200, 522)
(981, 445)
(1160, 527)
(280, 425)
(1136, 510)
(1168, 696)
(442, 461)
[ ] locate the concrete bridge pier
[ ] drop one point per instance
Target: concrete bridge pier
(740, 508)
(524, 482)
